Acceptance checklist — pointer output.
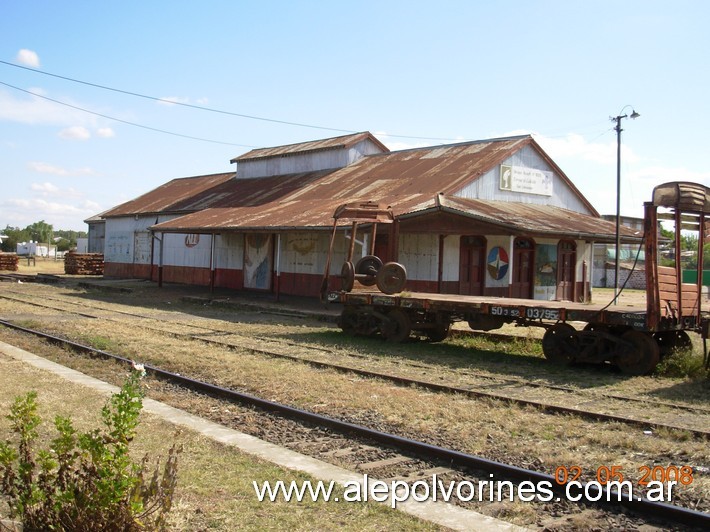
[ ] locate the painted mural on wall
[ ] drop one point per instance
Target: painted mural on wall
(303, 247)
(545, 271)
(258, 260)
(497, 263)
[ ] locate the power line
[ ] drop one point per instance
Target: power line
(212, 110)
(125, 121)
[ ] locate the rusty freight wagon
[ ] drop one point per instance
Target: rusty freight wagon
(634, 338)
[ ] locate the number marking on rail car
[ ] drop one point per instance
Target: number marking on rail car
(505, 311)
(537, 313)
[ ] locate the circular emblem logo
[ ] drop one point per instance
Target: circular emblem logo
(497, 263)
(192, 240)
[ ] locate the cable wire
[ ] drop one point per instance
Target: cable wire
(212, 110)
(126, 121)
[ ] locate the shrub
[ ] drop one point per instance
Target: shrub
(683, 363)
(85, 481)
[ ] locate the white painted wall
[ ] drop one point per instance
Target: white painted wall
(305, 162)
(229, 251)
(177, 252)
(419, 254)
(121, 238)
(452, 252)
(487, 187)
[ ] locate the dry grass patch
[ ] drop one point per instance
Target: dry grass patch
(493, 429)
(215, 489)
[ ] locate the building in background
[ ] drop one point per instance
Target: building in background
(494, 217)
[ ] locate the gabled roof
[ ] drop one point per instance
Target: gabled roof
(333, 143)
(411, 181)
(431, 170)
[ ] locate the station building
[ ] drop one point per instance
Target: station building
(493, 217)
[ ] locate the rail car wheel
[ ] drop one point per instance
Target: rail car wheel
(397, 327)
(438, 333)
(643, 355)
(348, 321)
(391, 278)
(347, 276)
(558, 344)
(669, 341)
(596, 327)
(368, 266)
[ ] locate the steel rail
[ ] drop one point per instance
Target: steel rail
(641, 505)
(406, 382)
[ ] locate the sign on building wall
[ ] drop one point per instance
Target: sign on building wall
(497, 263)
(527, 180)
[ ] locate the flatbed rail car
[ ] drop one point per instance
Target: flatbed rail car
(634, 338)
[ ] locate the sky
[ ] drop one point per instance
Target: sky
(278, 72)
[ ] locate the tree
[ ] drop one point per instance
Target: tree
(14, 236)
(41, 231)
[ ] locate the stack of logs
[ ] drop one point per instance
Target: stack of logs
(9, 261)
(84, 263)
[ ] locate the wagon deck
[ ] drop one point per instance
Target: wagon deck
(634, 338)
(524, 311)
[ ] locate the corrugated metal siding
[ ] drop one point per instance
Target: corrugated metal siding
(307, 253)
(420, 254)
(178, 253)
(229, 251)
(300, 163)
(120, 243)
(97, 237)
(332, 143)
(452, 252)
(487, 187)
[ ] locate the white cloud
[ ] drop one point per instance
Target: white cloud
(28, 57)
(105, 132)
(63, 208)
(663, 174)
(75, 133)
(576, 146)
(42, 208)
(45, 189)
(34, 110)
(45, 168)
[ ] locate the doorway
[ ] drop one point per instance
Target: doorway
(472, 265)
(566, 261)
(523, 269)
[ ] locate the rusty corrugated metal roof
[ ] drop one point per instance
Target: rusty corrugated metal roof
(416, 171)
(333, 143)
(411, 181)
(295, 214)
(220, 190)
(525, 218)
(169, 196)
(514, 218)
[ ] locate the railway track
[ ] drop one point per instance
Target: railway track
(510, 390)
(376, 450)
